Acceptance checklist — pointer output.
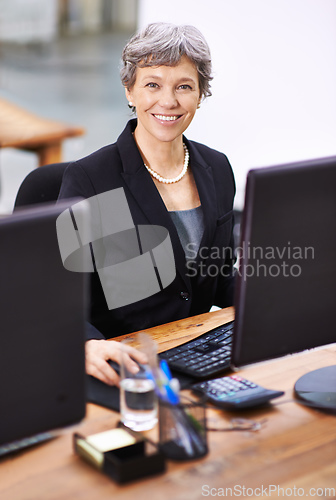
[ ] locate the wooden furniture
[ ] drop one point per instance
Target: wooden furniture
(293, 454)
(24, 130)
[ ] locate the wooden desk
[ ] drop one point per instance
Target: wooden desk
(21, 129)
(295, 448)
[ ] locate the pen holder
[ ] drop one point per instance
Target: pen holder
(182, 430)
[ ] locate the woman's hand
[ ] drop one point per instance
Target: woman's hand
(98, 352)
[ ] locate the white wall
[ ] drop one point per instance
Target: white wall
(25, 21)
(274, 91)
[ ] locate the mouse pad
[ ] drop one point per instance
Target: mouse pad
(108, 396)
(102, 394)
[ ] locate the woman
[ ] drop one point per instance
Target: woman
(168, 181)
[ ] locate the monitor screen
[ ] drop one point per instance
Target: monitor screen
(286, 289)
(43, 311)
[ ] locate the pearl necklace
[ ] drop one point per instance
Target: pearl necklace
(174, 179)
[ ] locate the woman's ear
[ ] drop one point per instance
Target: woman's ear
(128, 94)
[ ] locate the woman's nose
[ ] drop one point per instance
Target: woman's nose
(168, 98)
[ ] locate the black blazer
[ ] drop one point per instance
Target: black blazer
(211, 281)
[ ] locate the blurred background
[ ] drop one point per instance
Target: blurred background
(274, 62)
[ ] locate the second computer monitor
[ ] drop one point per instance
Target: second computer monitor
(286, 290)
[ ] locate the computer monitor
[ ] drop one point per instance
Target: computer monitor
(42, 314)
(286, 286)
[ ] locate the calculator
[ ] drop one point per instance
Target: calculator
(234, 392)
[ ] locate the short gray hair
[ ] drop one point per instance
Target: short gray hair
(163, 44)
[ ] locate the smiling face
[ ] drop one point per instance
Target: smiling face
(166, 99)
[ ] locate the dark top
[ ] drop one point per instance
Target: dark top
(205, 280)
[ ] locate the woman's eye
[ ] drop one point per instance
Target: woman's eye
(185, 86)
(152, 85)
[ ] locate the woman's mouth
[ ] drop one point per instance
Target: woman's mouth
(167, 118)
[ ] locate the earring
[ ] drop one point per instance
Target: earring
(130, 104)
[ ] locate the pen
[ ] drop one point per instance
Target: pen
(170, 388)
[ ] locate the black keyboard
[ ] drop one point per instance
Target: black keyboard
(207, 355)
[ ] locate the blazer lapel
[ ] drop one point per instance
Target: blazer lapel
(207, 192)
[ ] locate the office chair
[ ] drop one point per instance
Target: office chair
(41, 185)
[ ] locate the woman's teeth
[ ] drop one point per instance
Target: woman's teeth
(167, 118)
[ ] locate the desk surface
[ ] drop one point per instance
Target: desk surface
(295, 449)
